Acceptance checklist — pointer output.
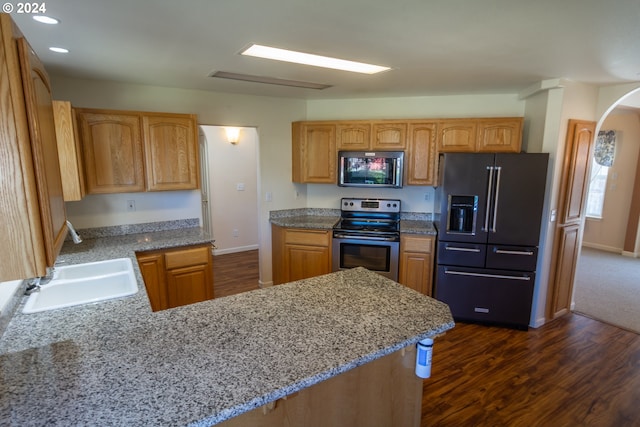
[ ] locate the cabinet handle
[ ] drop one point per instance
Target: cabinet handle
(492, 276)
(453, 248)
(495, 200)
(489, 191)
(503, 251)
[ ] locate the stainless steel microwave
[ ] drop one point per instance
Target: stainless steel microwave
(370, 169)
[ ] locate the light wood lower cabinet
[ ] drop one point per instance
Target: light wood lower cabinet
(416, 262)
(299, 253)
(384, 392)
(175, 277)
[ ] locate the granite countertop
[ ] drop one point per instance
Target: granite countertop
(326, 219)
(118, 363)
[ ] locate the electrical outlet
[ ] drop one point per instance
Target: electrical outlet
(427, 197)
(240, 186)
(131, 205)
(236, 233)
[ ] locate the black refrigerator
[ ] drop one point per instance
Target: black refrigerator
(489, 219)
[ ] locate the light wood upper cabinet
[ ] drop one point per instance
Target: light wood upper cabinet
(113, 153)
(314, 153)
(132, 151)
(33, 222)
(457, 135)
(421, 156)
(500, 135)
(69, 151)
(353, 136)
(171, 152)
(389, 135)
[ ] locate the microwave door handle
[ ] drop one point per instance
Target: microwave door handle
(495, 199)
(489, 191)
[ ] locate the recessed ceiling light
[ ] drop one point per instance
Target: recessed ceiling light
(46, 19)
(59, 50)
(310, 59)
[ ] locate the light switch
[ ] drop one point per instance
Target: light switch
(240, 186)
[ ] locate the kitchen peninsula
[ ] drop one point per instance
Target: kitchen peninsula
(119, 363)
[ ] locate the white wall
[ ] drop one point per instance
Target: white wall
(609, 232)
(234, 213)
(111, 209)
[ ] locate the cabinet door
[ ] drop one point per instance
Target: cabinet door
(152, 269)
(314, 153)
(353, 136)
(171, 152)
(189, 285)
(416, 263)
(113, 154)
(500, 135)
(389, 136)
(37, 94)
(302, 262)
(457, 135)
(421, 154)
(69, 151)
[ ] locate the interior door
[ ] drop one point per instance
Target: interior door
(571, 204)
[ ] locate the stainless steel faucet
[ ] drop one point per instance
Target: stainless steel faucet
(74, 234)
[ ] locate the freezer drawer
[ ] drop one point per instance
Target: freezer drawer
(462, 254)
(522, 258)
(489, 296)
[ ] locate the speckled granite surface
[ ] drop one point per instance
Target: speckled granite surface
(117, 363)
(319, 219)
(325, 219)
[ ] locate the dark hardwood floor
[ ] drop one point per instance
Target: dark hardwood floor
(235, 273)
(574, 371)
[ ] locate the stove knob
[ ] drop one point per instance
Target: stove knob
(350, 203)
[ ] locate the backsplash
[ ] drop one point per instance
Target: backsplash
(149, 227)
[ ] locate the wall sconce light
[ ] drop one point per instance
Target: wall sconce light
(233, 134)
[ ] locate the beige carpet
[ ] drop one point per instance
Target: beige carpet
(607, 288)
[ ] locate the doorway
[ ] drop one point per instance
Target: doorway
(616, 232)
(230, 206)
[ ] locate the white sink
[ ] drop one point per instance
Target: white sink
(83, 284)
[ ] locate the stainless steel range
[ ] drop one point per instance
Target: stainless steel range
(368, 235)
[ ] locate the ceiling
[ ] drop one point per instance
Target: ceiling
(434, 47)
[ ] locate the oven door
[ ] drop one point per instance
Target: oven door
(373, 253)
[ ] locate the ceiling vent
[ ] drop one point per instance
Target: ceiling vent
(267, 80)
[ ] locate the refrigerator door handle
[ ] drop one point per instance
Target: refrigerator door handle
(453, 248)
(492, 276)
(495, 200)
(489, 191)
(503, 251)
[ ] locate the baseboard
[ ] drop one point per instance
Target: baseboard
(602, 247)
(265, 284)
(630, 254)
(539, 322)
(234, 250)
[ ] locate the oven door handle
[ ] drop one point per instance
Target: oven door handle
(358, 237)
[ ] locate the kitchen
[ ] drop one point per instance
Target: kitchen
(272, 116)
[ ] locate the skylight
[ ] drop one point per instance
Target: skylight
(277, 54)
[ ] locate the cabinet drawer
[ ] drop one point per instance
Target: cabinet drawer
(186, 257)
(416, 244)
(307, 237)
